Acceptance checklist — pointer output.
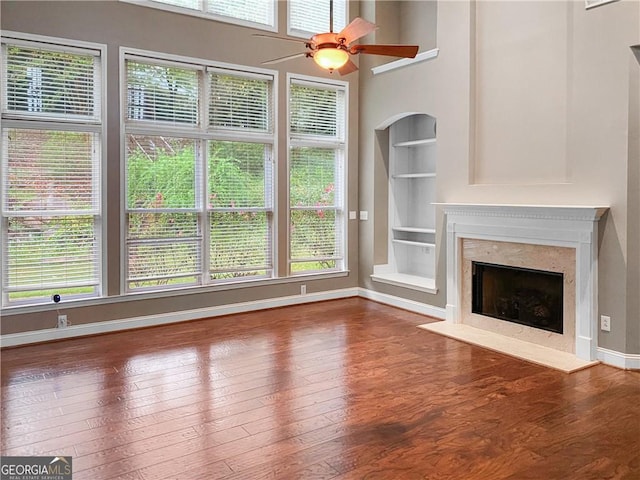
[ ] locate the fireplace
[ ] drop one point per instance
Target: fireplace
(519, 295)
(558, 239)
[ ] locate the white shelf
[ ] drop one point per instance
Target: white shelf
(412, 173)
(414, 282)
(414, 229)
(403, 62)
(414, 243)
(416, 143)
(415, 175)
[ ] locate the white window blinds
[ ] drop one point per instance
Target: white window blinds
(51, 83)
(163, 236)
(255, 11)
(316, 177)
(240, 209)
(160, 93)
(240, 103)
(182, 228)
(317, 111)
(259, 12)
(51, 171)
(307, 18)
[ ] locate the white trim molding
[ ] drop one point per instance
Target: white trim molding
(627, 361)
(398, 302)
(589, 4)
(50, 334)
(403, 62)
(73, 331)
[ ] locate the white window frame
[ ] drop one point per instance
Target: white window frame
(202, 13)
(202, 133)
(313, 141)
(44, 121)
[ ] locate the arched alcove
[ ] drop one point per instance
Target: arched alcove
(411, 191)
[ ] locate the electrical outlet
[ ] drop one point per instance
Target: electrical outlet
(303, 289)
(605, 323)
(62, 321)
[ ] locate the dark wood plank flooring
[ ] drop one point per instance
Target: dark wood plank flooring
(345, 389)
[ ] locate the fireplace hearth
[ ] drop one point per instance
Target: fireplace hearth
(519, 295)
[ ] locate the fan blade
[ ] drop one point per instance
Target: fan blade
(285, 58)
(297, 40)
(347, 68)
(406, 51)
(358, 28)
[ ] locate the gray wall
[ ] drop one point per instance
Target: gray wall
(122, 24)
(537, 103)
(633, 202)
(589, 152)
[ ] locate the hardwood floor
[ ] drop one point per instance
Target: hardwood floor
(345, 389)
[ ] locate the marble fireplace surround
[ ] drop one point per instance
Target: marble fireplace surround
(523, 255)
(531, 236)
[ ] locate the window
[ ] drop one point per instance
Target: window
(307, 18)
(317, 117)
(51, 171)
(254, 13)
(199, 168)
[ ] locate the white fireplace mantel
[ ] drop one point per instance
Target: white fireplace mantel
(563, 226)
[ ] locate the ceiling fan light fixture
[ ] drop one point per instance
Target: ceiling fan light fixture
(330, 58)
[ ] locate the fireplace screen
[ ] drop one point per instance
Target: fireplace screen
(519, 295)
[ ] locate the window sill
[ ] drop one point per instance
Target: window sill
(136, 296)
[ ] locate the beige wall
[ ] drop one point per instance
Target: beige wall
(401, 21)
(122, 24)
(532, 61)
(535, 102)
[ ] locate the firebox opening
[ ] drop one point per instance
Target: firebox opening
(519, 295)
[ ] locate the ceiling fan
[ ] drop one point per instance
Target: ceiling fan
(332, 51)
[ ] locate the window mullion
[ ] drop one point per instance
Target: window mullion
(202, 183)
(204, 213)
(99, 259)
(11, 121)
(311, 141)
(150, 128)
(97, 92)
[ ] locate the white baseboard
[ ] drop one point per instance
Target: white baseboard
(628, 361)
(610, 357)
(403, 303)
(50, 334)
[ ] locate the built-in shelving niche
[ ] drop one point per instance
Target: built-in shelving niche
(412, 177)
